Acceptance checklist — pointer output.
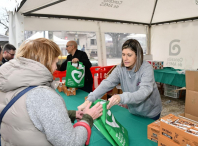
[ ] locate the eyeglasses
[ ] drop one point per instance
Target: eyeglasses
(10, 53)
(68, 46)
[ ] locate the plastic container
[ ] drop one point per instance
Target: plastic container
(95, 73)
(169, 91)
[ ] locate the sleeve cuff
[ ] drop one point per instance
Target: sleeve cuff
(72, 115)
(88, 119)
(91, 97)
(121, 98)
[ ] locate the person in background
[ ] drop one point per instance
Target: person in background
(8, 52)
(79, 56)
(83, 48)
(136, 77)
(1, 56)
(39, 117)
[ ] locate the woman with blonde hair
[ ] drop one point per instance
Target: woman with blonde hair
(39, 117)
(136, 77)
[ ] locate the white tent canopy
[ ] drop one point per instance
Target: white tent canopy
(56, 39)
(165, 22)
(139, 11)
(3, 38)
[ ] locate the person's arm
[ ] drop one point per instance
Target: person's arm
(72, 115)
(146, 88)
(105, 86)
(49, 115)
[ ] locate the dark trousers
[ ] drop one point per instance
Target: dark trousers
(157, 117)
(87, 87)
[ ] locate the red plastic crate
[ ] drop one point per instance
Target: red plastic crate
(103, 72)
(59, 74)
(95, 73)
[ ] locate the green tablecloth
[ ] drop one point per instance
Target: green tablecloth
(136, 126)
(170, 76)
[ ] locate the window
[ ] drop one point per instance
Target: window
(114, 42)
(93, 42)
(61, 38)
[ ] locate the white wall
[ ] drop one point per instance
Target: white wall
(184, 37)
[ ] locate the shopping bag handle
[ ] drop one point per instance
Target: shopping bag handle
(77, 64)
(88, 130)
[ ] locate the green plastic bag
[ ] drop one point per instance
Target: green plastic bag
(75, 75)
(114, 132)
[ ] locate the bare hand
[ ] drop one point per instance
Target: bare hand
(82, 106)
(114, 100)
(79, 115)
(95, 111)
(75, 60)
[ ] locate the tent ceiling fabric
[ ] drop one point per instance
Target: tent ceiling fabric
(139, 11)
(167, 10)
(34, 4)
(126, 10)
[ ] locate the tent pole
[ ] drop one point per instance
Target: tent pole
(177, 20)
(148, 31)
(83, 18)
(45, 6)
(148, 37)
(21, 4)
(153, 12)
(100, 47)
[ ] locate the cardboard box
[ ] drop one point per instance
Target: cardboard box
(153, 131)
(188, 117)
(163, 141)
(192, 80)
(178, 134)
(191, 103)
(153, 138)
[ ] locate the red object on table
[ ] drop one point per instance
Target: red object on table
(59, 74)
(103, 72)
(94, 70)
(88, 130)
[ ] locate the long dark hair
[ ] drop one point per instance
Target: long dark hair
(135, 46)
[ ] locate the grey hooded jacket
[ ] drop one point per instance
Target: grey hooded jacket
(39, 117)
(140, 91)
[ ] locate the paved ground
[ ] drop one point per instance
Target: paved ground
(172, 105)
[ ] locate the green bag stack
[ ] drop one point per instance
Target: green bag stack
(114, 132)
(75, 75)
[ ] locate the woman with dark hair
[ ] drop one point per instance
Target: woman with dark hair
(136, 77)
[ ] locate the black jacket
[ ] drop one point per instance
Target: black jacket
(82, 57)
(4, 61)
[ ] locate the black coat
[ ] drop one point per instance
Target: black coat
(82, 57)
(4, 61)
